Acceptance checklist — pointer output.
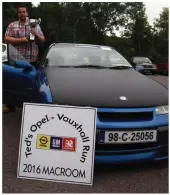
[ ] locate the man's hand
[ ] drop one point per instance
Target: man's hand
(33, 31)
(24, 40)
(39, 37)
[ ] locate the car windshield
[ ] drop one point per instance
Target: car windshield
(139, 60)
(84, 55)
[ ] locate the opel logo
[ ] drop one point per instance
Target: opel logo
(123, 98)
(43, 140)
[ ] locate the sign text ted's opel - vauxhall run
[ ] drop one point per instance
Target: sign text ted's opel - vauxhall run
(57, 143)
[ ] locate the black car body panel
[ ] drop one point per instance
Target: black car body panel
(103, 88)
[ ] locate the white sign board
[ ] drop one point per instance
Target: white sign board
(57, 143)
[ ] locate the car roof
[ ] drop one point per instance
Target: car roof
(79, 44)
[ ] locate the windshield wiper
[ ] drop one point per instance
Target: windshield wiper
(83, 66)
(90, 66)
(120, 67)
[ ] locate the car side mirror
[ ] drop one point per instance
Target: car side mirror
(23, 64)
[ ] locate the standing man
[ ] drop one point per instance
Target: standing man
(17, 34)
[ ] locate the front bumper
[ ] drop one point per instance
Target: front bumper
(150, 154)
(128, 153)
(149, 70)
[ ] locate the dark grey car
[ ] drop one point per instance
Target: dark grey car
(144, 65)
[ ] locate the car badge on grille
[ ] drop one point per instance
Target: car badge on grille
(123, 98)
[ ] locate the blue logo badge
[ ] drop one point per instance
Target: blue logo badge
(56, 143)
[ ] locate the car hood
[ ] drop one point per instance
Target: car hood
(104, 87)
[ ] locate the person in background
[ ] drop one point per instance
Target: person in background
(18, 33)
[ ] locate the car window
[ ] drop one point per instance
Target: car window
(139, 60)
(81, 55)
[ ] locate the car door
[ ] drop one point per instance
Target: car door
(19, 84)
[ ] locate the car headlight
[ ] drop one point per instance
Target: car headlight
(162, 110)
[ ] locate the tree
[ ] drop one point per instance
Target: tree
(97, 23)
(137, 28)
(161, 30)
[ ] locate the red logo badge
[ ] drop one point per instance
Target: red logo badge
(69, 143)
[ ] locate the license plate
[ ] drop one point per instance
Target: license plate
(119, 137)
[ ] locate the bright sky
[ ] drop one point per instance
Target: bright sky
(153, 9)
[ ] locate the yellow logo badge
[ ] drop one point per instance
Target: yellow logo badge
(43, 142)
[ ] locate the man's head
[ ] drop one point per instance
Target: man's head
(22, 13)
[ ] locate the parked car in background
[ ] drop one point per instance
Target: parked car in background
(163, 66)
(132, 109)
(4, 52)
(144, 65)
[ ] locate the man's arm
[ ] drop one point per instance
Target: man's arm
(9, 39)
(40, 38)
(38, 34)
(12, 40)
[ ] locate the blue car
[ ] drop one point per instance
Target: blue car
(132, 109)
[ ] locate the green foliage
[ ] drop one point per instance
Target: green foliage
(161, 31)
(97, 23)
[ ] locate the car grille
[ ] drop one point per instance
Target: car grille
(124, 116)
(162, 140)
